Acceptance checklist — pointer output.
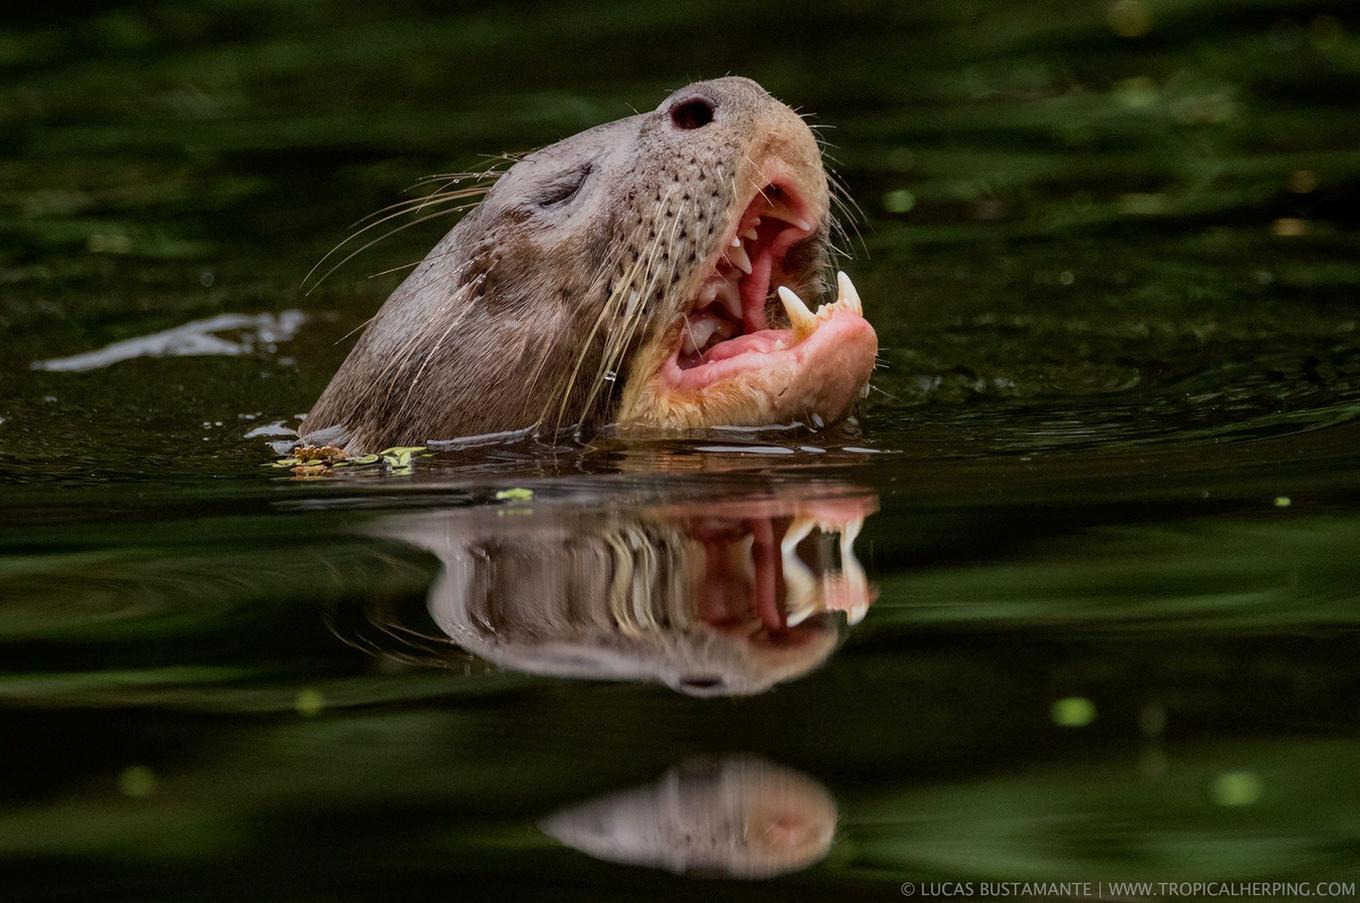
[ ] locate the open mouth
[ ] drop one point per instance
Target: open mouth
(747, 350)
(744, 311)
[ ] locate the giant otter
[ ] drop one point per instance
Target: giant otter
(649, 273)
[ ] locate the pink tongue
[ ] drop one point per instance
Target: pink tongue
(762, 341)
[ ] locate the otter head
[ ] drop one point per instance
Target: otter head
(647, 273)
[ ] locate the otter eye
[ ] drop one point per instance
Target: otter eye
(694, 113)
(563, 187)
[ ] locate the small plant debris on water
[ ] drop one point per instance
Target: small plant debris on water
(514, 495)
(319, 460)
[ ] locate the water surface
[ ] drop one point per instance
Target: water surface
(1078, 595)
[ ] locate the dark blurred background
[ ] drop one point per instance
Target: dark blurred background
(1111, 250)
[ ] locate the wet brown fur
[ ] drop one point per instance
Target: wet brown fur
(528, 312)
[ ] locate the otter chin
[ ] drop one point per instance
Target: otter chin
(658, 273)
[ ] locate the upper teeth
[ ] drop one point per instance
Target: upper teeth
(726, 293)
(737, 254)
(781, 211)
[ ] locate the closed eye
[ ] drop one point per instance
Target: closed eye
(563, 187)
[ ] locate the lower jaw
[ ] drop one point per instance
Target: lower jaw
(816, 381)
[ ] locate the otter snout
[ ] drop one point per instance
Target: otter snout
(765, 138)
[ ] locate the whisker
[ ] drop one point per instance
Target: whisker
(388, 272)
(636, 316)
(365, 247)
(605, 309)
(620, 339)
(889, 394)
(436, 196)
(603, 274)
(354, 330)
(456, 320)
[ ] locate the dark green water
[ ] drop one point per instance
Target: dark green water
(1108, 481)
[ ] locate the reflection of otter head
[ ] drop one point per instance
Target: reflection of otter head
(738, 817)
(729, 603)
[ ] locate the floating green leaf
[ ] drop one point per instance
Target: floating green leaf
(398, 458)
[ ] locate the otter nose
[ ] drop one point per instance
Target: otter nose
(693, 111)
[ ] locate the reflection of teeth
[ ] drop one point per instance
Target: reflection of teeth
(800, 592)
(857, 580)
(848, 296)
(850, 532)
(802, 320)
(798, 530)
(799, 585)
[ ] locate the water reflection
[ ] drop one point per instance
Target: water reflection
(709, 596)
(734, 816)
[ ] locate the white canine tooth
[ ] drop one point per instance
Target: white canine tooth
(797, 531)
(740, 260)
(803, 321)
(848, 293)
(856, 614)
(783, 213)
(799, 584)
